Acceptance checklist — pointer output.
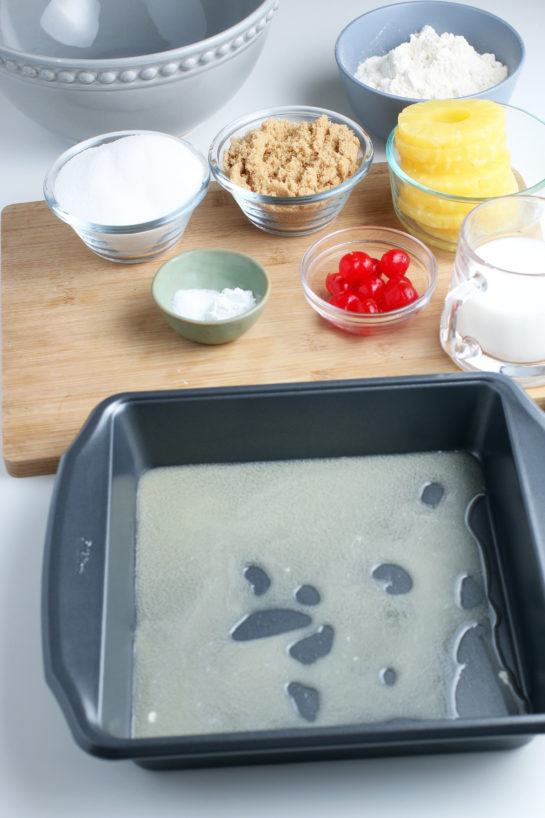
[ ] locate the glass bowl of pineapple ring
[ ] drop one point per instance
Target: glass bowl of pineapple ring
(340, 252)
(448, 156)
(290, 147)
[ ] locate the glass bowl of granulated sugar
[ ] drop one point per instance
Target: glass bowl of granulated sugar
(128, 195)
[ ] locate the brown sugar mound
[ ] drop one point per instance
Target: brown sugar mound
(283, 158)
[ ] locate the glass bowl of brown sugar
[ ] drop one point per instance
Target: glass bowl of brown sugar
(291, 169)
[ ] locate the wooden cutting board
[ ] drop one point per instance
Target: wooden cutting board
(77, 329)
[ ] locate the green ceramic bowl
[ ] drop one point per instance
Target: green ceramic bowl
(214, 270)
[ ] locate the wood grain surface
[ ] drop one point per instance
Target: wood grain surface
(77, 329)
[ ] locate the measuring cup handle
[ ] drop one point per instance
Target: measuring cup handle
(455, 299)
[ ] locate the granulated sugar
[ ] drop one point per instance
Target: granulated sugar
(134, 179)
(432, 66)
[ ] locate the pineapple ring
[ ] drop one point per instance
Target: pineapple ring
(495, 179)
(429, 209)
(448, 123)
(450, 236)
(436, 220)
(459, 159)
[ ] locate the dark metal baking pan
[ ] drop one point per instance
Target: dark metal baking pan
(88, 605)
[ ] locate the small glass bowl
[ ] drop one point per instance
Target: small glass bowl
(436, 217)
(128, 243)
(324, 255)
(289, 215)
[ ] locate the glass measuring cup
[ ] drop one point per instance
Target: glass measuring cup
(493, 318)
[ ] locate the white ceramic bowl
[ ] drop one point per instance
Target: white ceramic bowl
(125, 241)
(118, 65)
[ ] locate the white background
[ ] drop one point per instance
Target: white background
(42, 771)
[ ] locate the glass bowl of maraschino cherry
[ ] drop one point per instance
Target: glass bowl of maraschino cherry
(368, 279)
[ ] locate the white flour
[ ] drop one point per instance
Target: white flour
(432, 66)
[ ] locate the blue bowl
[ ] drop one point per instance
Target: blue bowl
(379, 31)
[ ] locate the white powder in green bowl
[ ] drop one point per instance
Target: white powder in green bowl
(212, 305)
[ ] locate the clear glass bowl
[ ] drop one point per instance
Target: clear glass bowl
(324, 255)
(437, 218)
(127, 243)
(289, 215)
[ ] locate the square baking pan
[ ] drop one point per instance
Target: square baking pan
(267, 668)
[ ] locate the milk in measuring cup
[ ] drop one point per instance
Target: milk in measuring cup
(507, 317)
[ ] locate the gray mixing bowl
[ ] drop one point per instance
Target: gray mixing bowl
(128, 64)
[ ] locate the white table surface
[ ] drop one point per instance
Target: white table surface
(42, 771)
